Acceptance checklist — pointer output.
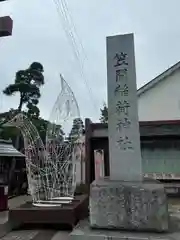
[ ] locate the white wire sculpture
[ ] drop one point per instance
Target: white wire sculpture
(51, 170)
(62, 149)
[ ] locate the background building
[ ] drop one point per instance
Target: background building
(160, 98)
(159, 115)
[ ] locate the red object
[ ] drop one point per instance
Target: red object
(6, 26)
(3, 198)
(98, 168)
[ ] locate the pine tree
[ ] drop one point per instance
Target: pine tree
(27, 83)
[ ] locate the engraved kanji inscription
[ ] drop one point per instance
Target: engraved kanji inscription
(124, 143)
(123, 123)
(123, 90)
(121, 59)
(121, 74)
(122, 107)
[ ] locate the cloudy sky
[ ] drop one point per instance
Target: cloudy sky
(39, 35)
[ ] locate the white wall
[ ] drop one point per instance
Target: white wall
(161, 102)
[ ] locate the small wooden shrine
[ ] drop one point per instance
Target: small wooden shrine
(7, 155)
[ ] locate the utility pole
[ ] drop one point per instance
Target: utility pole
(6, 25)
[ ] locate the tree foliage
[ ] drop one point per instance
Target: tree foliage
(6, 133)
(11, 133)
(56, 133)
(104, 114)
(77, 128)
(27, 83)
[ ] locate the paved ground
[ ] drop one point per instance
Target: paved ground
(20, 235)
(61, 236)
(14, 202)
(37, 234)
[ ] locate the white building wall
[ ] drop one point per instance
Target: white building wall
(162, 102)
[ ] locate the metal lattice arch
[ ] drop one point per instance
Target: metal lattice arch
(51, 169)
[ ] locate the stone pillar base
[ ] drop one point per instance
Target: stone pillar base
(130, 206)
(83, 232)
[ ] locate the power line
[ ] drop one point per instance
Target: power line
(67, 22)
(74, 28)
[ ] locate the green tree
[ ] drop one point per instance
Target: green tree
(33, 111)
(7, 133)
(27, 83)
(77, 128)
(104, 114)
(57, 133)
(41, 126)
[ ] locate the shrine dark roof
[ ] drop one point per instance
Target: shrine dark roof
(7, 149)
(158, 79)
(151, 128)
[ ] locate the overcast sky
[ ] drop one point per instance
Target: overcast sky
(39, 35)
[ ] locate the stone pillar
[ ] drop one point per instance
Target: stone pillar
(123, 124)
(125, 200)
